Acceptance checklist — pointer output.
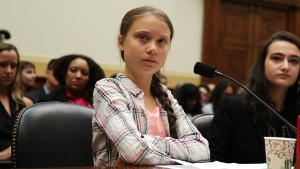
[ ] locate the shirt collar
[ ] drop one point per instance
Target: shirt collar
(130, 85)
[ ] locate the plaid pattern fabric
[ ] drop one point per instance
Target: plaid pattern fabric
(120, 128)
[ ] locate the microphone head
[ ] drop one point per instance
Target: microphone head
(4, 34)
(204, 70)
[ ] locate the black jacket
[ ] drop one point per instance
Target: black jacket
(237, 138)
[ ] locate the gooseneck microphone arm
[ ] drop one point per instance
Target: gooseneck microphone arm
(207, 71)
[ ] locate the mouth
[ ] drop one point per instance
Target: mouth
(285, 76)
(149, 61)
(76, 84)
(7, 78)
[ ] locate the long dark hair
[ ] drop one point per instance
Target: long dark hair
(218, 92)
(61, 67)
(156, 88)
(188, 92)
(259, 84)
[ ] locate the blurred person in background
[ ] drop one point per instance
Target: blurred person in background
(11, 99)
(188, 97)
(27, 75)
(51, 85)
(223, 88)
(77, 75)
(205, 93)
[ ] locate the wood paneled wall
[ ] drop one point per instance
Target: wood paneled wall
(235, 29)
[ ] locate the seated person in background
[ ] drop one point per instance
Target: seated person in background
(77, 75)
(11, 99)
(241, 122)
(27, 76)
(211, 87)
(137, 120)
(223, 88)
(188, 97)
(205, 93)
(51, 85)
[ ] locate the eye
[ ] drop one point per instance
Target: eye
(73, 69)
(85, 72)
(3, 64)
(13, 65)
(276, 58)
(294, 60)
(143, 37)
(162, 41)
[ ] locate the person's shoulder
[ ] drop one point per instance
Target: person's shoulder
(35, 94)
(106, 82)
(28, 102)
(231, 105)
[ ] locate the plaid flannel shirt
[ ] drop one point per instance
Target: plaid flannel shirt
(120, 128)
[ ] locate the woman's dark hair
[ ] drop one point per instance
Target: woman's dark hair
(156, 88)
(188, 92)
(51, 64)
(259, 84)
(218, 92)
(61, 67)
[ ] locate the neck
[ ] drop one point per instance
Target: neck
(76, 94)
(278, 96)
(141, 80)
(4, 90)
(24, 88)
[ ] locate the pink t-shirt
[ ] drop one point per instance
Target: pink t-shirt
(156, 125)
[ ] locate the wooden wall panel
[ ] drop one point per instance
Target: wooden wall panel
(234, 30)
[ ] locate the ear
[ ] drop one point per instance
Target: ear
(120, 42)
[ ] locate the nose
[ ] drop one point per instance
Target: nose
(285, 64)
(152, 48)
(8, 69)
(78, 74)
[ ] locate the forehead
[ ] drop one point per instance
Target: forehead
(8, 55)
(284, 47)
(28, 67)
(150, 22)
(79, 62)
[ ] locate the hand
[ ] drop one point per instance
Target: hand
(5, 154)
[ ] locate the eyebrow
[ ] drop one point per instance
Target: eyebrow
(148, 32)
(278, 53)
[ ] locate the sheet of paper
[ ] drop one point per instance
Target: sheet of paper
(213, 165)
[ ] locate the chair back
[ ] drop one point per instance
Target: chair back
(202, 123)
(53, 134)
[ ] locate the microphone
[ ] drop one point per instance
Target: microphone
(208, 71)
(4, 34)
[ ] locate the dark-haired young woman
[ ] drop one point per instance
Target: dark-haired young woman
(77, 75)
(137, 120)
(241, 122)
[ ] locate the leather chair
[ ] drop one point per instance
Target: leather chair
(202, 123)
(53, 134)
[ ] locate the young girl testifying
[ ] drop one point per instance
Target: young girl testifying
(137, 120)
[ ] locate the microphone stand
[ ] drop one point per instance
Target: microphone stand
(261, 101)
